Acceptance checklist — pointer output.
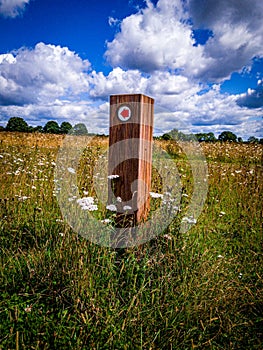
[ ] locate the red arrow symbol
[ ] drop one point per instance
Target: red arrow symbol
(125, 113)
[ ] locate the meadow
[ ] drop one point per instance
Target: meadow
(202, 289)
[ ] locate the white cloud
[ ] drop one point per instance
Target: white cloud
(117, 82)
(12, 8)
(237, 28)
(155, 39)
(161, 37)
(41, 75)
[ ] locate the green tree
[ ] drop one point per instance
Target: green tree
(166, 137)
(80, 129)
(65, 127)
(38, 128)
(17, 124)
(239, 139)
(51, 127)
(207, 137)
(253, 139)
(227, 136)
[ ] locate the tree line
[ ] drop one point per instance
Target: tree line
(225, 136)
(51, 127)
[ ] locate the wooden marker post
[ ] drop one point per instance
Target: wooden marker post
(130, 157)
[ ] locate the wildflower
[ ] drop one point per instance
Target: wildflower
(111, 177)
(90, 207)
(23, 198)
(222, 213)
(220, 256)
(111, 207)
(127, 207)
(106, 221)
(185, 195)
(71, 170)
(28, 308)
(156, 195)
(118, 199)
(87, 203)
(189, 220)
(167, 237)
(61, 234)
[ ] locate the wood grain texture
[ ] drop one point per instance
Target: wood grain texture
(130, 153)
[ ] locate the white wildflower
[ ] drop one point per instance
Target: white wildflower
(111, 207)
(127, 207)
(23, 198)
(111, 177)
(90, 207)
(71, 170)
(106, 221)
(87, 203)
(189, 220)
(156, 195)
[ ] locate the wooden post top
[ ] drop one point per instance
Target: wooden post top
(126, 98)
(131, 109)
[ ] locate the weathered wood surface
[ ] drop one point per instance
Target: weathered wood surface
(130, 153)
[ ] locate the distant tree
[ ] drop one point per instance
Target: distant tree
(2, 128)
(51, 127)
(253, 139)
(80, 129)
(260, 141)
(227, 136)
(239, 139)
(211, 137)
(207, 137)
(38, 128)
(17, 124)
(65, 127)
(166, 137)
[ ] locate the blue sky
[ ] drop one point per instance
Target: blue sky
(201, 60)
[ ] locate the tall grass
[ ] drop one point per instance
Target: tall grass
(202, 289)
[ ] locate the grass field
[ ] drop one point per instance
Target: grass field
(198, 290)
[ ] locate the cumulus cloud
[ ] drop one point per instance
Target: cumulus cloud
(155, 39)
(118, 81)
(162, 37)
(41, 75)
(12, 8)
(253, 98)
